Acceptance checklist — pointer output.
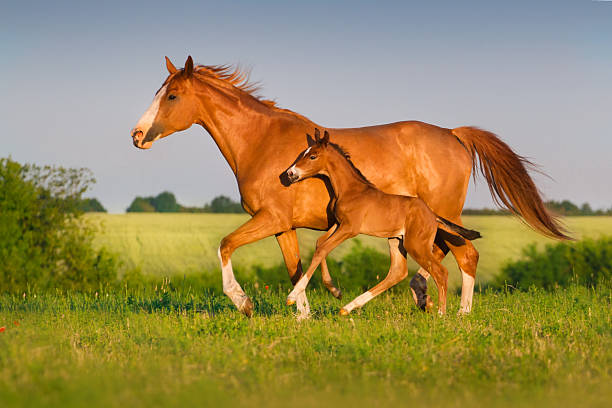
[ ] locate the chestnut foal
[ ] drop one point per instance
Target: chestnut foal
(360, 208)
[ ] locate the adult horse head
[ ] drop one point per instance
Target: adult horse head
(174, 107)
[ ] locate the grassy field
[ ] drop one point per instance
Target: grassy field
(176, 244)
(177, 348)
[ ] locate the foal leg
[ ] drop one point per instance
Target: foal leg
(338, 236)
(418, 283)
(421, 252)
(263, 224)
(288, 243)
(325, 276)
(397, 273)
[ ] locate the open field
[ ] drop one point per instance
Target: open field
(176, 244)
(135, 349)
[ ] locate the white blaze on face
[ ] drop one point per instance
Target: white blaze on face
(148, 118)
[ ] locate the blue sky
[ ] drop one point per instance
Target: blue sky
(76, 78)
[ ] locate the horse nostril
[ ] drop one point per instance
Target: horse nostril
(136, 133)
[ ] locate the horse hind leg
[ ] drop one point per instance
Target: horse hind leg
(467, 259)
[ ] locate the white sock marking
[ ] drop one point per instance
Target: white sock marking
(359, 301)
(467, 292)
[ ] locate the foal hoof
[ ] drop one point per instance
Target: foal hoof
(344, 312)
(247, 307)
(429, 304)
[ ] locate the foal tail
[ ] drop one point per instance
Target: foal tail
(464, 232)
(509, 181)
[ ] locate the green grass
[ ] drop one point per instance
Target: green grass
(177, 244)
(536, 348)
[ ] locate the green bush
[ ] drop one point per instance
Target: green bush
(91, 205)
(586, 262)
(44, 243)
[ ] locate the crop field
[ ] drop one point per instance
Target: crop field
(180, 348)
(177, 244)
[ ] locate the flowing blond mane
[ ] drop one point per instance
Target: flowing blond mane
(239, 78)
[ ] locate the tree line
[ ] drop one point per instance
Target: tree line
(565, 207)
(166, 202)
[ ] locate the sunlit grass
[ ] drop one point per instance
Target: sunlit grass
(142, 348)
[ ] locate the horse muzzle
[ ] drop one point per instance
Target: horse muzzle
(292, 175)
(138, 139)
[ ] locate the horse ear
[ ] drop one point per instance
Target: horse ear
(171, 68)
(310, 140)
(188, 70)
(317, 135)
(325, 139)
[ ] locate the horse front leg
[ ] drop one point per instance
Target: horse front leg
(288, 243)
(262, 225)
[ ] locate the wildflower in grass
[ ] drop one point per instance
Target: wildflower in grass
(16, 323)
(267, 287)
(2, 329)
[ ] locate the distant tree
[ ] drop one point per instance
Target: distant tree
(224, 204)
(141, 204)
(586, 209)
(165, 202)
(91, 205)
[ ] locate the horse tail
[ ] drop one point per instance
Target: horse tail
(464, 232)
(509, 181)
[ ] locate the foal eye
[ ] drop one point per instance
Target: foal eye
(171, 97)
(313, 157)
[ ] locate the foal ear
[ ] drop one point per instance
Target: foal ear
(171, 68)
(310, 140)
(325, 139)
(188, 70)
(317, 135)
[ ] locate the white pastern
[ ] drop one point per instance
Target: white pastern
(148, 118)
(359, 301)
(467, 292)
(231, 287)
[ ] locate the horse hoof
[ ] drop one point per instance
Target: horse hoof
(344, 312)
(337, 293)
(247, 307)
(429, 304)
(290, 302)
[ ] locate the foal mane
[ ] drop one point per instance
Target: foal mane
(347, 157)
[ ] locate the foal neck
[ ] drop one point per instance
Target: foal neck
(343, 175)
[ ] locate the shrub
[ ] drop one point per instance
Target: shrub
(43, 241)
(359, 269)
(587, 262)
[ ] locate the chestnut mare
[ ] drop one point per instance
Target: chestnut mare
(360, 208)
(259, 140)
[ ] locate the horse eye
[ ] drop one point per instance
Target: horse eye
(171, 97)
(313, 157)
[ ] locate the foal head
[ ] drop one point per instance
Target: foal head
(173, 109)
(311, 161)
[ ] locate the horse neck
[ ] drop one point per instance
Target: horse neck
(235, 120)
(343, 177)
